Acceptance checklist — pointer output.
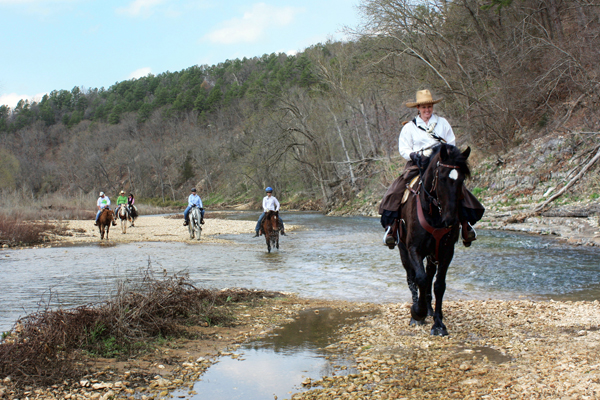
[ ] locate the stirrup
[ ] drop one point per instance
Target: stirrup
(386, 236)
(468, 236)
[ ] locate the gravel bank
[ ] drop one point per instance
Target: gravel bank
(496, 350)
(154, 229)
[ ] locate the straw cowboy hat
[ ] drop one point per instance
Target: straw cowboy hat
(423, 97)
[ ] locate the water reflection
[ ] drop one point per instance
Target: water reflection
(275, 366)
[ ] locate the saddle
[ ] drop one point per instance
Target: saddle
(407, 191)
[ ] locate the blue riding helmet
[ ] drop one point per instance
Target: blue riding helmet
(269, 190)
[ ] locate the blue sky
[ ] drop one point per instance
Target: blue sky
(59, 44)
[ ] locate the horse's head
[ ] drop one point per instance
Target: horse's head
(444, 177)
(272, 219)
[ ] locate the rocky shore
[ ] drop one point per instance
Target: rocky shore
(495, 350)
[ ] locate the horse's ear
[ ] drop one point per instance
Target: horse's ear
(443, 152)
(467, 152)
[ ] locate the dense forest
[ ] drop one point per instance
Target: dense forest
(323, 124)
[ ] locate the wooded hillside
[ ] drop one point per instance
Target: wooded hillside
(323, 124)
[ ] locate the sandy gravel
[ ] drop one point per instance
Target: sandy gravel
(495, 350)
(155, 229)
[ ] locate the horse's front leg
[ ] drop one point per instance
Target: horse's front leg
(418, 311)
(439, 288)
(431, 269)
(410, 272)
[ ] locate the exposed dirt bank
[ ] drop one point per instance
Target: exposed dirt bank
(496, 350)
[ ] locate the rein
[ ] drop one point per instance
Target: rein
(437, 233)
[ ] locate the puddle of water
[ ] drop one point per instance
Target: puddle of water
(478, 353)
(275, 366)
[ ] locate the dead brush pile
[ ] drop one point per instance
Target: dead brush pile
(14, 230)
(50, 346)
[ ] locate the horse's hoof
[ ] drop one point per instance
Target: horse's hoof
(414, 322)
(439, 331)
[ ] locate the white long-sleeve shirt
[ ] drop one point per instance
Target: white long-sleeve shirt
(270, 203)
(412, 138)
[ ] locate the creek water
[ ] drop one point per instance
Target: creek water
(328, 257)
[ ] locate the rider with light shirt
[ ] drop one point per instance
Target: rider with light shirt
(193, 200)
(102, 203)
(270, 203)
(416, 139)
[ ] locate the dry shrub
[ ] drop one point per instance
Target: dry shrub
(15, 230)
(49, 346)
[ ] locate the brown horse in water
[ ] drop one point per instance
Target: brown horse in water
(270, 228)
(104, 221)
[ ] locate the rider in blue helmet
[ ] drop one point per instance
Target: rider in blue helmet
(269, 203)
(193, 201)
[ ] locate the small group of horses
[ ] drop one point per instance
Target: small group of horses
(429, 231)
(124, 214)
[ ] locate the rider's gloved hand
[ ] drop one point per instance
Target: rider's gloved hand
(414, 157)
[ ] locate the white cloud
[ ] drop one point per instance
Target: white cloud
(139, 7)
(12, 99)
(140, 73)
(252, 25)
(291, 52)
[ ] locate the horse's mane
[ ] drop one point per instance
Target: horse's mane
(455, 157)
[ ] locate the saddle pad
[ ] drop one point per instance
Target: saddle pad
(406, 191)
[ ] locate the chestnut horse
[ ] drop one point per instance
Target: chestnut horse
(430, 229)
(104, 221)
(270, 228)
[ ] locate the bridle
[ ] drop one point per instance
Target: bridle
(437, 233)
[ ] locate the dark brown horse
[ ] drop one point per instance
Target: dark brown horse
(270, 228)
(104, 221)
(430, 229)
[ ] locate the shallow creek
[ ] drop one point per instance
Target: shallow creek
(328, 257)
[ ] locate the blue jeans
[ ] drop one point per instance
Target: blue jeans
(260, 219)
(186, 213)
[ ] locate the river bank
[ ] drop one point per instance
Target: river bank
(496, 350)
(150, 229)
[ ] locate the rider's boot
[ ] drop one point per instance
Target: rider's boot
(256, 235)
(282, 232)
(186, 223)
(96, 223)
(391, 235)
(468, 233)
(201, 221)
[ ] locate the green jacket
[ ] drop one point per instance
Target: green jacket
(121, 200)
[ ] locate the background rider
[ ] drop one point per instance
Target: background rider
(271, 203)
(193, 200)
(102, 203)
(120, 200)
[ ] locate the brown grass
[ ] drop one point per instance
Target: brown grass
(49, 346)
(15, 230)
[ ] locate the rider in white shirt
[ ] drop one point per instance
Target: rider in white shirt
(102, 204)
(416, 139)
(270, 203)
